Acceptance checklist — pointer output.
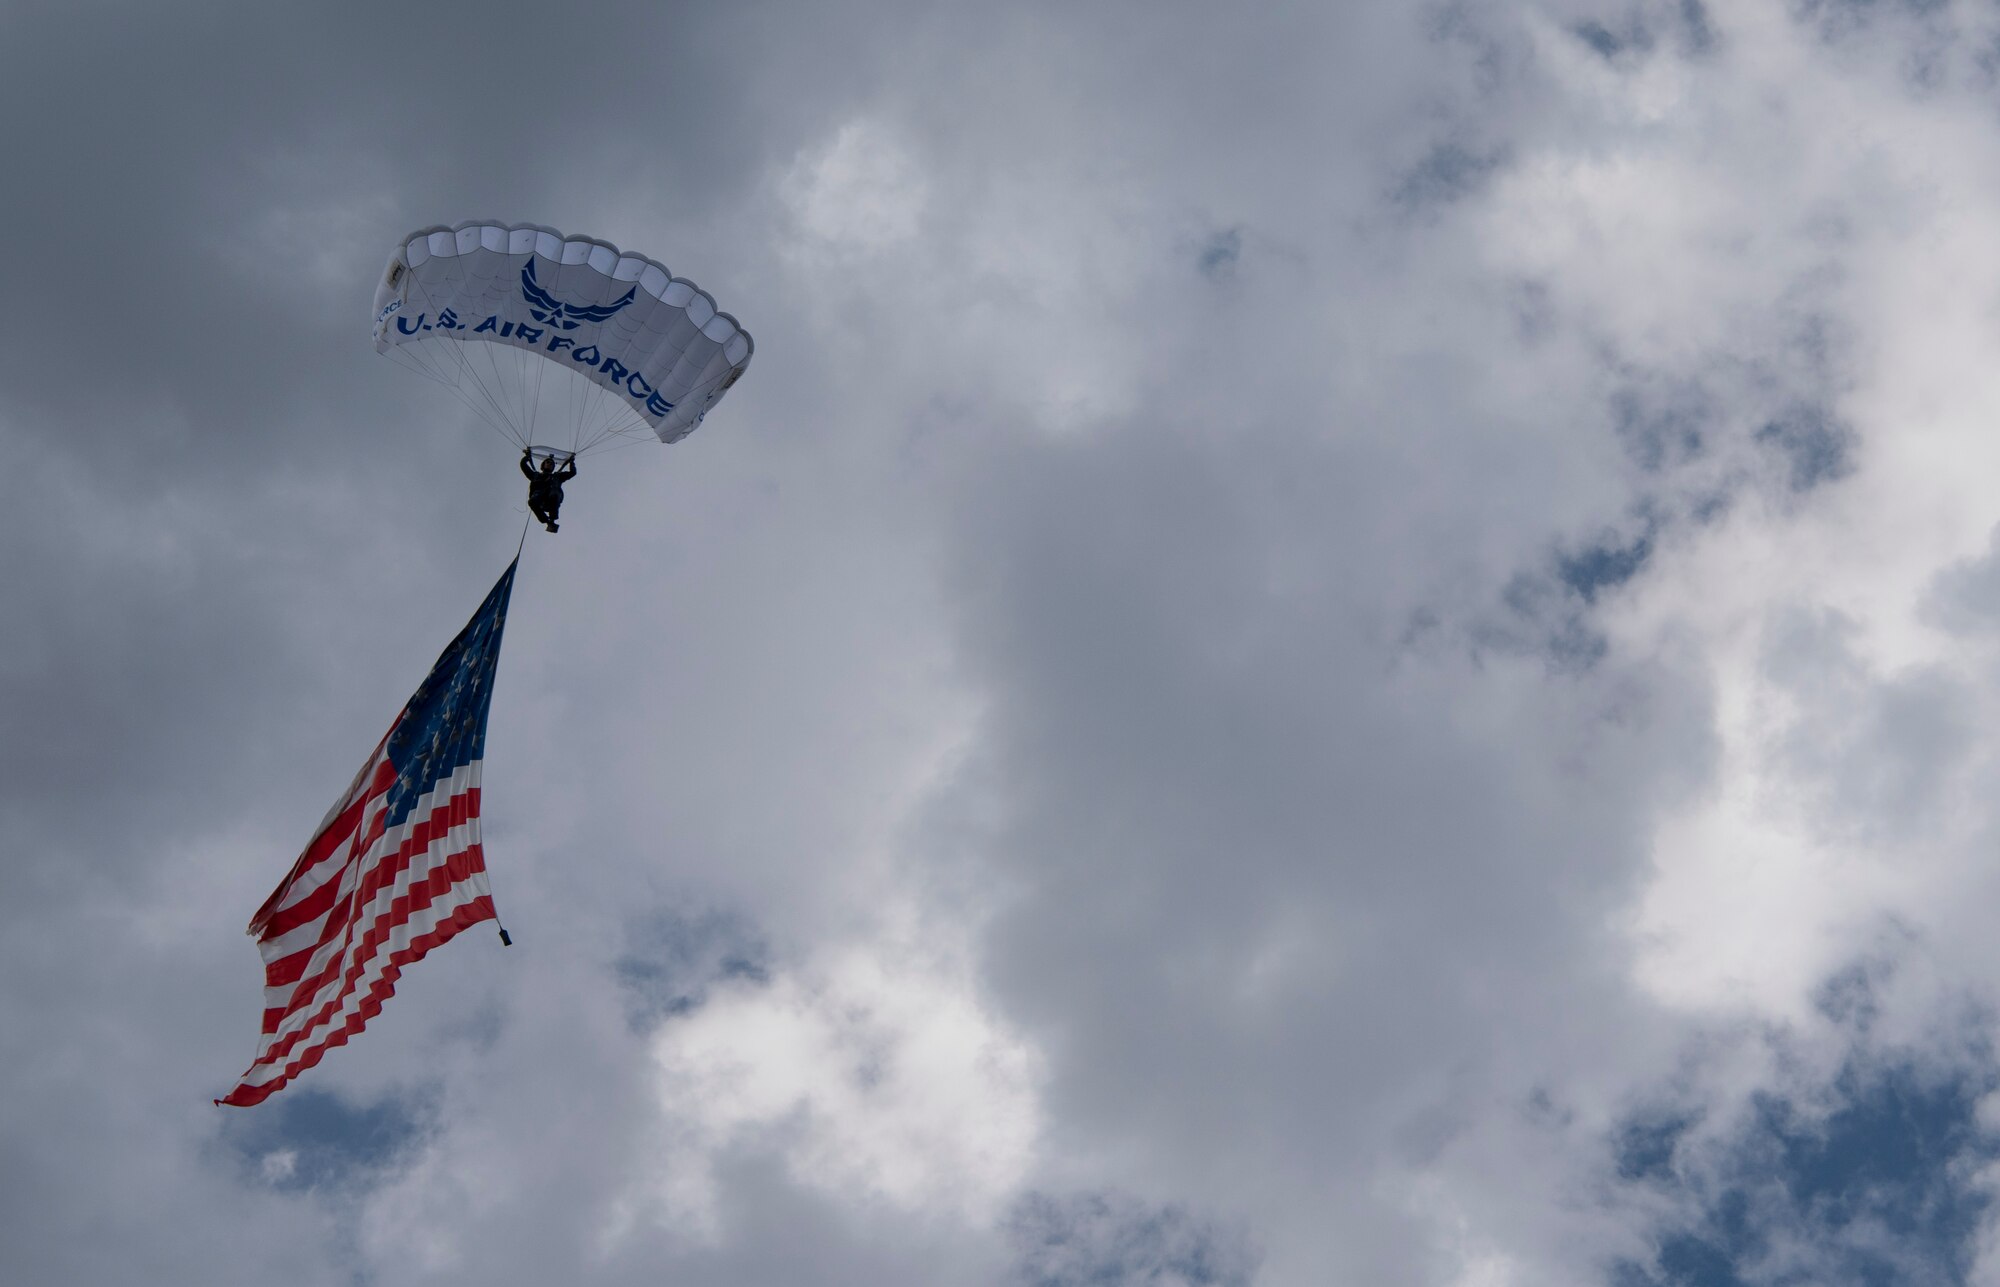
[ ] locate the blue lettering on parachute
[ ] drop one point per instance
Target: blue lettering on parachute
(617, 374)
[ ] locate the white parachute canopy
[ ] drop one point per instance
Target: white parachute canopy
(557, 340)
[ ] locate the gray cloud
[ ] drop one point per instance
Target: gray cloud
(1188, 660)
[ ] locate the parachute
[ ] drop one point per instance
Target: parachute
(558, 342)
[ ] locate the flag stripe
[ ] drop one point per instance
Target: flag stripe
(395, 869)
(392, 902)
(401, 932)
(320, 861)
(260, 1083)
(313, 1005)
(286, 934)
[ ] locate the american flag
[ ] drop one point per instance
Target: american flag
(395, 870)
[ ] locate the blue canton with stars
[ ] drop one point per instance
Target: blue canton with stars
(443, 726)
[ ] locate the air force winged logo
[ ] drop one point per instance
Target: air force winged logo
(547, 308)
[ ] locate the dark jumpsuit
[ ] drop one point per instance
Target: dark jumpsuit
(545, 494)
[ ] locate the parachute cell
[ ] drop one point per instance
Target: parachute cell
(557, 339)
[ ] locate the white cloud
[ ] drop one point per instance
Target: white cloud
(875, 1071)
(860, 193)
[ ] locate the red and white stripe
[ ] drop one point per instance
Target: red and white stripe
(361, 902)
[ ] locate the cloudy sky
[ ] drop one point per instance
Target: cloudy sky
(1329, 643)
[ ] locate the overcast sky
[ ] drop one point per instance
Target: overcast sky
(1328, 644)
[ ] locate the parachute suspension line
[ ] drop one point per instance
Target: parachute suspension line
(495, 410)
(492, 393)
(472, 361)
(495, 388)
(522, 434)
(598, 417)
(586, 411)
(509, 387)
(573, 396)
(528, 388)
(535, 403)
(407, 356)
(462, 379)
(622, 441)
(586, 401)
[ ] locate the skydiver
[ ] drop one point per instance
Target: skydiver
(545, 485)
